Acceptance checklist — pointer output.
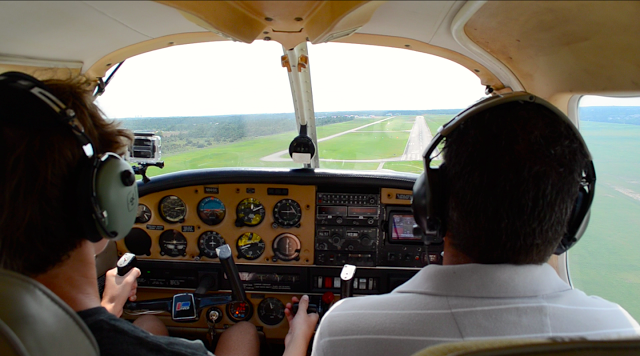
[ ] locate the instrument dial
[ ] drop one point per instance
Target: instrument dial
(250, 246)
(173, 244)
(271, 311)
(286, 247)
(138, 242)
(143, 215)
(287, 213)
(239, 311)
(208, 242)
(250, 212)
(211, 210)
(172, 209)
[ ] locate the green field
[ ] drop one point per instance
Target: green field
(405, 166)
(398, 123)
(364, 145)
(605, 262)
(238, 154)
(435, 121)
(328, 130)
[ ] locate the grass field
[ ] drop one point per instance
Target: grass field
(605, 262)
(328, 130)
(238, 154)
(398, 123)
(405, 166)
(364, 145)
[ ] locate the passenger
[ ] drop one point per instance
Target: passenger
(509, 187)
(43, 219)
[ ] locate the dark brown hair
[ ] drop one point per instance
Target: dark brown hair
(513, 174)
(41, 206)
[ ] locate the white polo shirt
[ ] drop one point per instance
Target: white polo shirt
(468, 302)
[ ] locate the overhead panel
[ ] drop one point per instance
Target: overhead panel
(563, 47)
(287, 22)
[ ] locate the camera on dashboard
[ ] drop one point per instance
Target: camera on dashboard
(145, 148)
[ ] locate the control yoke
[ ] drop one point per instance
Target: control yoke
(231, 270)
(186, 307)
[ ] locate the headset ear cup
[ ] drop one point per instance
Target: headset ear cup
(116, 195)
(578, 221)
(429, 203)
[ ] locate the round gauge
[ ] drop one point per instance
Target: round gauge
(143, 215)
(239, 311)
(208, 242)
(250, 246)
(250, 212)
(172, 209)
(286, 247)
(271, 311)
(138, 242)
(173, 243)
(287, 213)
(211, 210)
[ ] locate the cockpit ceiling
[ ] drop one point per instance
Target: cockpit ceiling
(552, 47)
(569, 47)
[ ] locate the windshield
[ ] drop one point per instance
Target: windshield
(225, 104)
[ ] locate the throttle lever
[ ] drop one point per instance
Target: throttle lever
(346, 275)
(231, 270)
(310, 310)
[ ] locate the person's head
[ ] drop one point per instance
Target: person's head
(512, 176)
(43, 213)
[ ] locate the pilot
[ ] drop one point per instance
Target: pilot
(515, 187)
(58, 152)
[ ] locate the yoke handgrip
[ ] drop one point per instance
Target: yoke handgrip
(231, 270)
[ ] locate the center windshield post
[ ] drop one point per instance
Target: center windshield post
(296, 60)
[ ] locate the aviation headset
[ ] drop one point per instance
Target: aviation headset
(107, 183)
(430, 194)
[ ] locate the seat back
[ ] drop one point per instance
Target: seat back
(35, 322)
(523, 347)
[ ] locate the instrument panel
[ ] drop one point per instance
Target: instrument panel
(290, 233)
(262, 223)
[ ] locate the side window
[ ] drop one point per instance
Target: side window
(606, 261)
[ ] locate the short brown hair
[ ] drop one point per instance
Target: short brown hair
(40, 205)
(513, 174)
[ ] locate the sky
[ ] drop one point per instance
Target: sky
(223, 78)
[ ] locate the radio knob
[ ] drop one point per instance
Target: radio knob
(365, 241)
(336, 239)
(322, 246)
(370, 221)
(339, 220)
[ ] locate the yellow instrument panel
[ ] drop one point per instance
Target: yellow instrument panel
(262, 223)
